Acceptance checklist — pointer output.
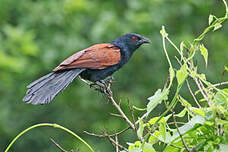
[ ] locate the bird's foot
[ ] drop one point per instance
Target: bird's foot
(110, 79)
(102, 86)
(98, 85)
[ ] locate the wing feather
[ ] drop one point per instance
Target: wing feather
(99, 56)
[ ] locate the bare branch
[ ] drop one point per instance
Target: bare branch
(201, 90)
(116, 115)
(144, 116)
(114, 143)
(132, 113)
(220, 84)
(117, 143)
(100, 136)
(190, 90)
(167, 82)
(185, 145)
(57, 145)
(110, 96)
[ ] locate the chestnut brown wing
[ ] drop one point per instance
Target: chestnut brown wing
(98, 56)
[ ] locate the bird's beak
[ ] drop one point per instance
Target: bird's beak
(144, 40)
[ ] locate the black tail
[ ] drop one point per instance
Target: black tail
(44, 90)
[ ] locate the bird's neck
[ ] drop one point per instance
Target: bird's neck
(126, 51)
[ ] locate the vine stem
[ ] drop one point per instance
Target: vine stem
(164, 46)
(49, 125)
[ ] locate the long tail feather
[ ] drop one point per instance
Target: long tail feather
(45, 89)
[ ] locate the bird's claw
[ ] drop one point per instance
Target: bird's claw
(102, 85)
(109, 79)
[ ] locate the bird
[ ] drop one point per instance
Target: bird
(94, 63)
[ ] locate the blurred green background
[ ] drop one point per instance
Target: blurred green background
(36, 35)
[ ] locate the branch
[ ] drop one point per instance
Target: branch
(117, 143)
(132, 113)
(120, 111)
(185, 145)
(201, 90)
(190, 90)
(219, 84)
(100, 136)
(108, 92)
(114, 143)
(57, 145)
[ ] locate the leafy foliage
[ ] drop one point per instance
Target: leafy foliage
(206, 126)
(36, 35)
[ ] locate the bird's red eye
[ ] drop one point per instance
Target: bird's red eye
(133, 38)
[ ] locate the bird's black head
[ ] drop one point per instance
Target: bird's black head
(131, 41)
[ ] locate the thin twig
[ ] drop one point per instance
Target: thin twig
(114, 143)
(197, 83)
(116, 115)
(57, 145)
(144, 115)
(132, 113)
(121, 112)
(166, 83)
(220, 84)
(190, 90)
(117, 143)
(185, 145)
(201, 90)
(100, 136)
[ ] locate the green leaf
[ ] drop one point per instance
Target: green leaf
(221, 98)
(198, 111)
(153, 139)
(204, 53)
(153, 120)
(182, 74)
(139, 109)
(171, 74)
(134, 146)
(221, 122)
(182, 113)
(162, 129)
(148, 148)
(202, 76)
(210, 19)
(184, 102)
(172, 148)
(140, 129)
(217, 26)
(226, 68)
(156, 99)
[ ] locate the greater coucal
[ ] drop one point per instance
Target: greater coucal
(94, 64)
